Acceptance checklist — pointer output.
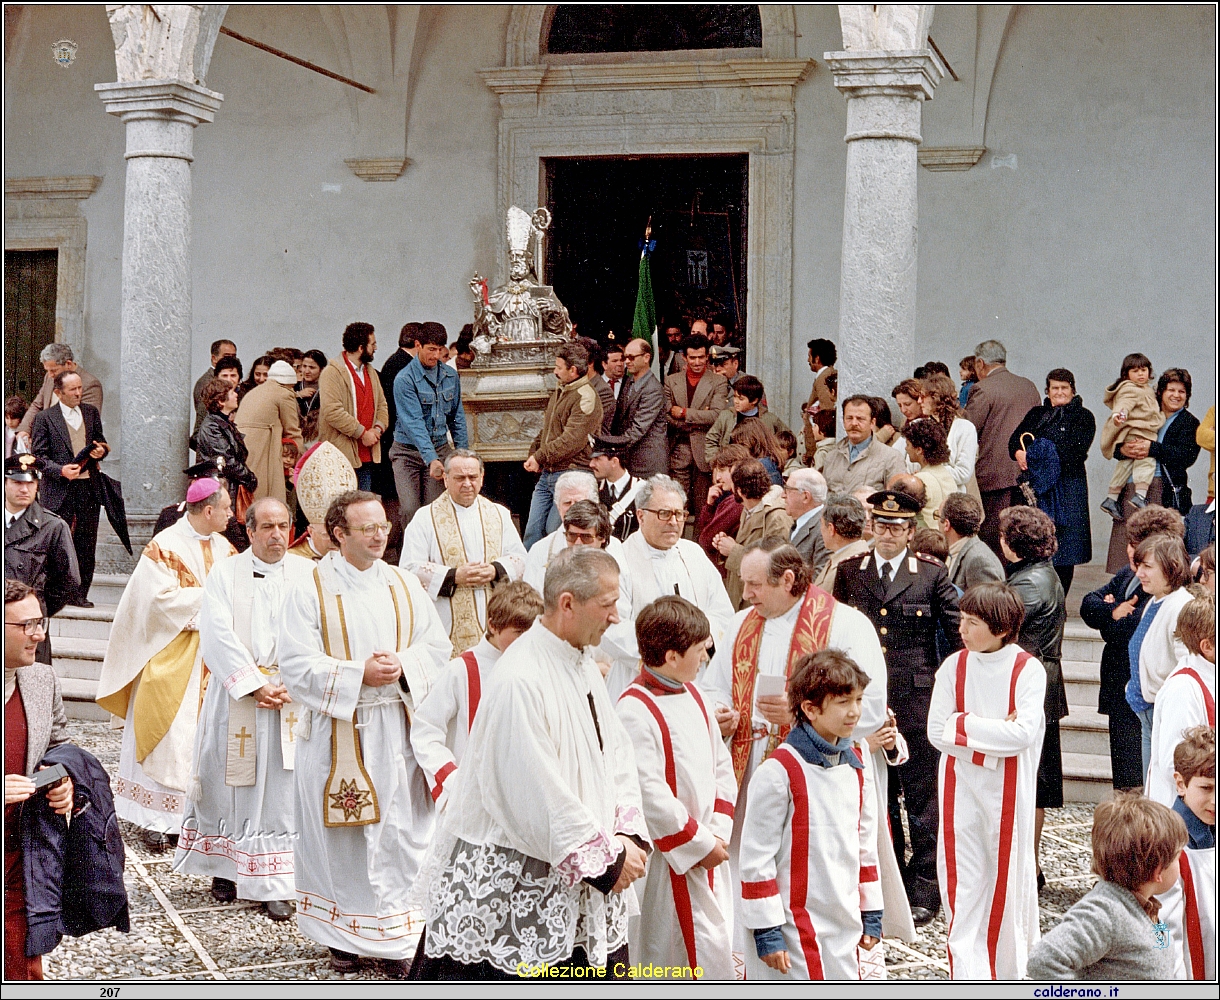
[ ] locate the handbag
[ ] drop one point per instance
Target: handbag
(242, 502)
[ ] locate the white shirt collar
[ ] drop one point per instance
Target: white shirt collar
(892, 563)
(72, 416)
(620, 484)
(805, 518)
(10, 517)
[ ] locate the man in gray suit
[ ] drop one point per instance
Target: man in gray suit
(804, 499)
(971, 561)
(639, 427)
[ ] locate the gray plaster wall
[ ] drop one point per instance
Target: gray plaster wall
(1101, 240)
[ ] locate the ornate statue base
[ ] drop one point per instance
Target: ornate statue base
(504, 393)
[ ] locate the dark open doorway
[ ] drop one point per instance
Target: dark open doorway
(699, 211)
(29, 317)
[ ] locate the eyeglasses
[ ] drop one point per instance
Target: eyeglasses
(666, 516)
(632, 357)
(32, 626)
(890, 529)
(581, 537)
(371, 530)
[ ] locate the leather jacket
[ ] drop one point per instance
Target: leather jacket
(219, 437)
(1042, 631)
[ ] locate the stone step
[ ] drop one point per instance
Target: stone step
(1081, 680)
(80, 658)
(1085, 731)
(83, 623)
(108, 587)
(1081, 642)
(78, 694)
(1086, 778)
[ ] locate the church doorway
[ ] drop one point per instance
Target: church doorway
(698, 206)
(30, 278)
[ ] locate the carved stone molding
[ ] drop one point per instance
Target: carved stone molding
(378, 168)
(939, 158)
(648, 76)
(73, 188)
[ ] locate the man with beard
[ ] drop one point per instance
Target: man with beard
(352, 411)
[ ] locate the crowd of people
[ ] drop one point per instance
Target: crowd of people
(473, 745)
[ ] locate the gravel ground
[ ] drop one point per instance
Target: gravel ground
(185, 934)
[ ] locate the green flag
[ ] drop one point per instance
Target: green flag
(644, 325)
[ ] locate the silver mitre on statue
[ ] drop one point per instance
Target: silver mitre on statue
(517, 322)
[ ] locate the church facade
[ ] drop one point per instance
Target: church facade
(1065, 183)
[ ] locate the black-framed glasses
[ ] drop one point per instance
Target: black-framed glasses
(32, 626)
(666, 516)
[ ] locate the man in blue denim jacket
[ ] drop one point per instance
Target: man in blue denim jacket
(428, 401)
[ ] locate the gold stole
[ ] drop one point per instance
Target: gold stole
(465, 630)
(811, 633)
(349, 790)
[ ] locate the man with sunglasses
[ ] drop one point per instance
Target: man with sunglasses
(360, 644)
(906, 595)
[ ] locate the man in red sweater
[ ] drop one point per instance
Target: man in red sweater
(693, 400)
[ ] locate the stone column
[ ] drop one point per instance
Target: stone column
(155, 357)
(885, 91)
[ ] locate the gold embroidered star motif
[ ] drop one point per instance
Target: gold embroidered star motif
(350, 799)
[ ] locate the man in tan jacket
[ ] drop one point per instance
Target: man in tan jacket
(842, 527)
(820, 409)
(859, 460)
(352, 410)
(694, 398)
(268, 414)
(56, 358)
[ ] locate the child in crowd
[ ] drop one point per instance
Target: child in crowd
(1135, 413)
(986, 718)
(443, 720)
(1187, 698)
(787, 443)
(1115, 931)
(966, 372)
(809, 883)
(14, 410)
(688, 789)
(1190, 907)
(930, 542)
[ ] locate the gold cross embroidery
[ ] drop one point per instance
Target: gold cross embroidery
(241, 736)
(291, 719)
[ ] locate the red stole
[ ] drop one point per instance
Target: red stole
(812, 633)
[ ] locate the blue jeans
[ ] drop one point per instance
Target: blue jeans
(544, 515)
(1145, 718)
(364, 477)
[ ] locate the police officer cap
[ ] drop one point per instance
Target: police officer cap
(723, 353)
(607, 451)
(207, 469)
(24, 468)
(892, 507)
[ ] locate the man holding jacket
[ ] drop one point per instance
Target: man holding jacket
(573, 413)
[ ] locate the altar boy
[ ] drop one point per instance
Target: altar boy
(809, 884)
(443, 719)
(688, 789)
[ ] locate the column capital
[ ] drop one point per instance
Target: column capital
(173, 100)
(910, 73)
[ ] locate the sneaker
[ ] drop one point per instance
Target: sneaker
(344, 961)
(223, 890)
(1138, 501)
(1111, 507)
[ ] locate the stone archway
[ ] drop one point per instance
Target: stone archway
(671, 103)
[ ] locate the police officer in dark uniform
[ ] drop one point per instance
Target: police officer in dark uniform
(906, 595)
(38, 547)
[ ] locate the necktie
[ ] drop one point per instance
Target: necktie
(887, 573)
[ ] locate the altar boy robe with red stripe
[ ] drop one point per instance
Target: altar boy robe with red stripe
(442, 721)
(688, 788)
(988, 777)
(809, 862)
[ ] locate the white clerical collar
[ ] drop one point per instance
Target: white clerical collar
(266, 567)
(656, 553)
(72, 416)
(485, 652)
(558, 647)
(193, 533)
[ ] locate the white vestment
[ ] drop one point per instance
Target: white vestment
(1189, 908)
(684, 570)
(243, 833)
(686, 912)
(851, 633)
(353, 882)
(623, 666)
(421, 554)
(809, 863)
(987, 785)
(547, 781)
(443, 719)
(1180, 704)
(154, 630)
